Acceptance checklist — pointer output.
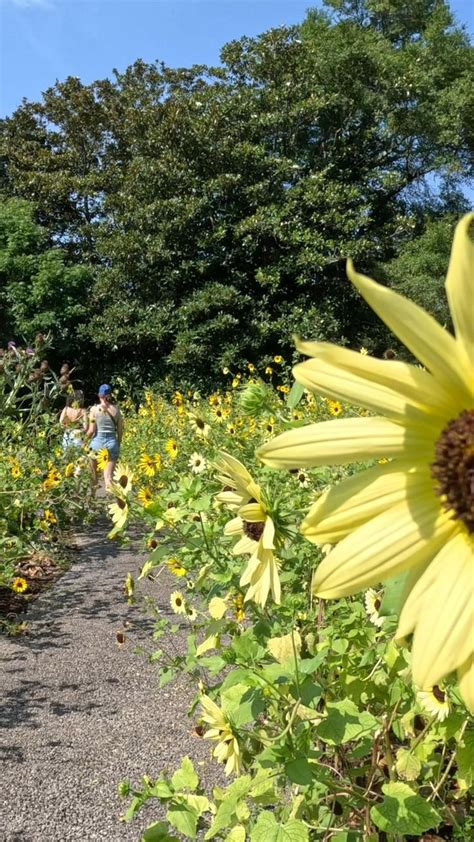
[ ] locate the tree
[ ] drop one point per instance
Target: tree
(225, 200)
(39, 291)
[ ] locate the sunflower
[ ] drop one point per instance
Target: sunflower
(158, 461)
(146, 465)
(102, 458)
(52, 480)
(199, 425)
(227, 749)
(434, 701)
(231, 430)
(302, 478)
(123, 477)
(190, 612)
(171, 448)
(176, 567)
(70, 469)
(178, 602)
(414, 515)
(372, 605)
(253, 527)
(50, 517)
(145, 496)
(197, 463)
(19, 585)
(335, 407)
(278, 359)
(118, 511)
(16, 470)
(269, 370)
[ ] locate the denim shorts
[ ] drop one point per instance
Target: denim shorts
(109, 442)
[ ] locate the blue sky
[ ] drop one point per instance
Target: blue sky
(45, 40)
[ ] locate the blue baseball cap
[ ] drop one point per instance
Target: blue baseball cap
(105, 389)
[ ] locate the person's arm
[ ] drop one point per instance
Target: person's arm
(119, 422)
(92, 427)
(85, 420)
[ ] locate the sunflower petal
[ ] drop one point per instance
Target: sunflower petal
(344, 440)
(444, 632)
(406, 535)
(427, 340)
(252, 513)
(460, 285)
(410, 383)
(348, 505)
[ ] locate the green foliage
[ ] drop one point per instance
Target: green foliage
(39, 290)
(217, 206)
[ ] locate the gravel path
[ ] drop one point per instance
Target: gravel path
(80, 713)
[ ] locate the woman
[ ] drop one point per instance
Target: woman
(74, 419)
(106, 430)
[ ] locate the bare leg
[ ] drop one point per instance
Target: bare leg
(108, 472)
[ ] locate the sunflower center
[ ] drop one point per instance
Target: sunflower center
(453, 468)
(123, 481)
(253, 530)
(439, 694)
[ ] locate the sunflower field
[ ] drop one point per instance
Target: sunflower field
(339, 707)
(43, 489)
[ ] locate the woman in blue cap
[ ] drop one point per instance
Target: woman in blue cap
(106, 431)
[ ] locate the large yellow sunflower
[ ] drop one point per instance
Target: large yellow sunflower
(414, 513)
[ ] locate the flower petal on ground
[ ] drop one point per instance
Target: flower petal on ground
(433, 346)
(408, 534)
(444, 631)
(345, 440)
(353, 502)
(411, 384)
(460, 285)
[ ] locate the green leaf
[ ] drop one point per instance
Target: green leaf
(267, 829)
(294, 396)
(345, 722)
(237, 834)
(394, 595)
(226, 810)
(465, 759)
(184, 818)
(185, 777)
(162, 789)
(299, 771)
(158, 832)
(242, 704)
(407, 765)
(403, 811)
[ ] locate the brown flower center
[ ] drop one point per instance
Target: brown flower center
(453, 468)
(439, 694)
(254, 530)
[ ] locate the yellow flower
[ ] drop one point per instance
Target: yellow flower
(158, 461)
(171, 448)
(225, 370)
(52, 480)
(434, 701)
(335, 407)
(123, 477)
(50, 517)
(231, 429)
(178, 602)
(199, 425)
(118, 511)
(269, 370)
(190, 612)
(176, 567)
(254, 529)
(239, 607)
(416, 513)
(227, 749)
(372, 605)
(145, 496)
(146, 464)
(19, 585)
(69, 470)
(251, 367)
(220, 414)
(102, 458)
(278, 359)
(16, 470)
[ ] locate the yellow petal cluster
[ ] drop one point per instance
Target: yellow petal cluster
(395, 517)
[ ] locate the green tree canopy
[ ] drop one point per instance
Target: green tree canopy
(217, 205)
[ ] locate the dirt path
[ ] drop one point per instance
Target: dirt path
(80, 713)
